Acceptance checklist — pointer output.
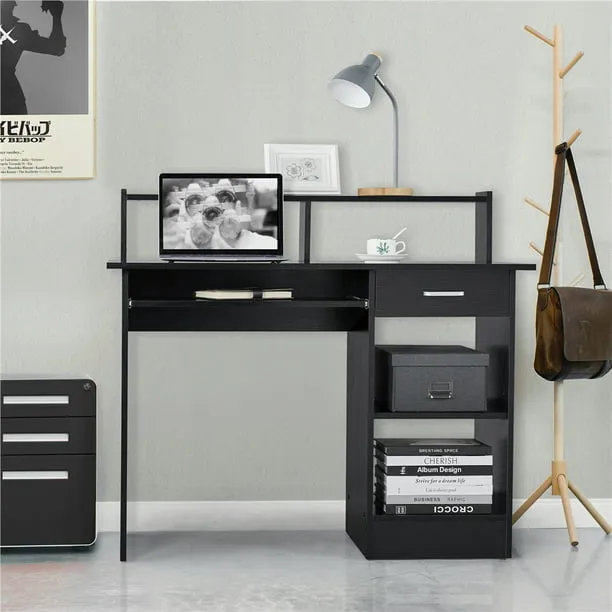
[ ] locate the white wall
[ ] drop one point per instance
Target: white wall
(202, 86)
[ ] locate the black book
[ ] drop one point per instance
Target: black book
(431, 446)
(435, 470)
(434, 509)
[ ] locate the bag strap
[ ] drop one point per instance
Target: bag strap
(564, 153)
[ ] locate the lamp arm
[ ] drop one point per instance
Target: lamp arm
(395, 130)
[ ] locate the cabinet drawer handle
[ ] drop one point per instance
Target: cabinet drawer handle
(35, 437)
(443, 293)
(57, 475)
(35, 399)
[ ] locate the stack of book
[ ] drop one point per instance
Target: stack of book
(250, 293)
(427, 476)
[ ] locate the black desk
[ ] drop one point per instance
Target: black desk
(158, 296)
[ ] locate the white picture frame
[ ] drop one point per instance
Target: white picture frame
(306, 169)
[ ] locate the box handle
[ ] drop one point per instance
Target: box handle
(31, 475)
(443, 293)
(35, 437)
(440, 390)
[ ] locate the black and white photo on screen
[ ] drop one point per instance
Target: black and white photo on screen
(219, 214)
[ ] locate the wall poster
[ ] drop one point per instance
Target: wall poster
(47, 93)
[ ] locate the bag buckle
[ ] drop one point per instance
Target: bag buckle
(600, 287)
(544, 286)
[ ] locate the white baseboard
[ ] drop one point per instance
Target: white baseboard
(296, 515)
(225, 516)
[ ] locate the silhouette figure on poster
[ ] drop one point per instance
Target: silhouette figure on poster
(17, 37)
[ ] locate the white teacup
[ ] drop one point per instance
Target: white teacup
(385, 246)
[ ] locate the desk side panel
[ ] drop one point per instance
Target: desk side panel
(360, 428)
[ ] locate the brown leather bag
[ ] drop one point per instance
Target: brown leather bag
(573, 325)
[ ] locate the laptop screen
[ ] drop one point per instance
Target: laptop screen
(217, 214)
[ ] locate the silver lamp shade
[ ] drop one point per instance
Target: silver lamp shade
(354, 86)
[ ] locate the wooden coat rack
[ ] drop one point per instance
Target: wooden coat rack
(558, 480)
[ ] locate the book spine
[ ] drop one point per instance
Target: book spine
(396, 509)
(438, 485)
(403, 460)
(438, 470)
(430, 480)
(416, 451)
(433, 499)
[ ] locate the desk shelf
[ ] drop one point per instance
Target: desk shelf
(434, 520)
(496, 409)
(201, 304)
(440, 415)
(308, 315)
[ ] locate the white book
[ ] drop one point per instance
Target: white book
(244, 294)
(438, 499)
(400, 460)
(440, 485)
(446, 489)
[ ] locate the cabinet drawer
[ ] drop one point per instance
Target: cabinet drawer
(48, 500)
(48, 398)
(459, 293)
(34, 436)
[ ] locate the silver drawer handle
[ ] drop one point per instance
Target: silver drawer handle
(443, 293)
(58, 475)
(35, 437)
(35, 399)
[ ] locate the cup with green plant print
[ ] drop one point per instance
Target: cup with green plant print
(385, 246)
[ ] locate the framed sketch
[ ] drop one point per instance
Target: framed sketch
(305, 168)
(47, 127)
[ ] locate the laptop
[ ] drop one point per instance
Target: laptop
(221, 217)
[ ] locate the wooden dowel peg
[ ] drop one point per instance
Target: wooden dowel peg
(539, 35)
(574, 137)
(576, 280)
(539, 251)
(537, 206)
(576, 59)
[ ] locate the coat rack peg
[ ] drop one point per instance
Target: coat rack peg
(537, 206)
(572, 139)
(576, 280)
(539, 251)
(574, 61)
(540, 36)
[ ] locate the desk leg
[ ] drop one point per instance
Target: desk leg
(305, 224)
(124, 413)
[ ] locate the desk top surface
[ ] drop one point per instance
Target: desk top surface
(294, 265)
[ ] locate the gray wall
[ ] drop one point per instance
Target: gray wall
(202, 86)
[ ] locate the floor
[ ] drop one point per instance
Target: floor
(306, 571)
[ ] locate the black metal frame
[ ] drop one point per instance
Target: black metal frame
(483, 201)
(360, 346)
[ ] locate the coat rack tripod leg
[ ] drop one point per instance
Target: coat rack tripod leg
(590, 508)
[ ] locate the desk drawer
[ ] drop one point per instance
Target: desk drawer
(48, 500)
(419, 293)
(67, 436)
(48, 398)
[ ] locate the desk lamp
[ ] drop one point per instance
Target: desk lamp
(354, 86)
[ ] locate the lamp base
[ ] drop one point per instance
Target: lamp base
(385, 191)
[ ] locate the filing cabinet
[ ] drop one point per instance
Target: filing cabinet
(48, 447)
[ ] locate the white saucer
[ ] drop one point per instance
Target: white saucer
(369, 258)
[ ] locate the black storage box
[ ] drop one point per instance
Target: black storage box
(431, 378)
